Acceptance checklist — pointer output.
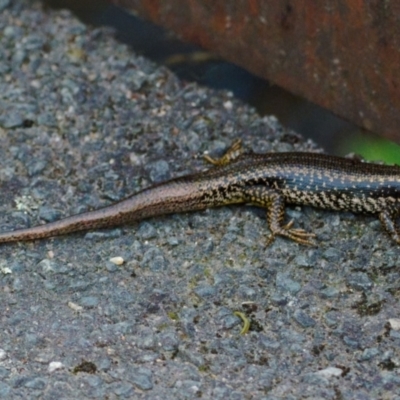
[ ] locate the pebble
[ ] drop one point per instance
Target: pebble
(395, 323)
(13, 119)
(303, 319)
(146, 231)
(49, 214)
(287, 284)
(330, 372)
(4, 4)
(75, 306)
(5, 390)
(169, 341)
(117, 260)
(205, 291)
(159, 171)
(123, 389)
(55, 365)
(368, 354)
(35, 383)
(359, 281)
(111, 267)
(142, 378)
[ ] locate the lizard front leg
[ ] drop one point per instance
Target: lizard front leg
(230, 155)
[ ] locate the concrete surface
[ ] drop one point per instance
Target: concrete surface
(84, 122)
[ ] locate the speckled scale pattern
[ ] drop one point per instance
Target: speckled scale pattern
(317, 180)
(323, 181)
(266, 180)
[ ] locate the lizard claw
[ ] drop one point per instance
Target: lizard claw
(298, 235)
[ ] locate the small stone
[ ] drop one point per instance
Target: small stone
(47, 265)
(12, 120)
(117, 260)
(4, 373)
(191, 356)
(394, 334)
(331, 254)
(368, 354)
(94, 381)
(3, 355)
(4, 4)
(6, 270)
(230, 321)
(109, 234)
(390, 379)
(142, 378)
(205, 291)
(33, 42)
(173, 241)
(286, 284)
(75, 306)
(146, 231)
(279, 299)
(159, 171)
(158, 263)
(146, 340)
(169, 341)
(47, 120)
(123, 389)
(395, 323)
(269, 343)
(36, 167)
(315, 379)
(111, 267)
(332, 318)
(55, 365)
(104, 364)
(228, 105)
(4, 390)
(35, 383)
(330, 372)
(49, 214)
(302, 261)
(303, 319)
(351, 342)
(359, 281)
(17, 285)
(329, 292)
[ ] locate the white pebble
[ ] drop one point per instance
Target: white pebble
(55, 365)
(117, 260)
(330, 371)
(228, 105)
(395, 323)
(74, 306)
(6, 270)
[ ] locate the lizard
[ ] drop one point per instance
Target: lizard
(270, 181)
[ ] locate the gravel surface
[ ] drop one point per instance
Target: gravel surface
(148, 310)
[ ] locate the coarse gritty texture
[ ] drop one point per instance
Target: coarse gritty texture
(84, 122)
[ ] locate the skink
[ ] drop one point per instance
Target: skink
(267, 180)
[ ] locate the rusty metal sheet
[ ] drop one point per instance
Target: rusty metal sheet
(343, 55)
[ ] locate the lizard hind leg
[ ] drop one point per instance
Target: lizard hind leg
(274, 203)
(230, 155)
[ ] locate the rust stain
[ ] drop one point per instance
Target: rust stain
(343, 55)
(253, 7)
